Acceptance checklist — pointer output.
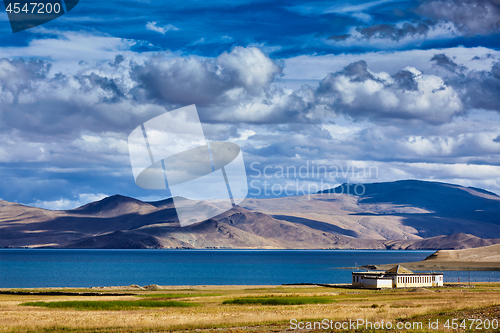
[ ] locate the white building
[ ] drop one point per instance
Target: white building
(396, 277)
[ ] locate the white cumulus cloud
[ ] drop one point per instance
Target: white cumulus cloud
(153, 26)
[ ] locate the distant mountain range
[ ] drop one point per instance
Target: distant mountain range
(406, 214)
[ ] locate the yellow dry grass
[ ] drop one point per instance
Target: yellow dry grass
(350, 304)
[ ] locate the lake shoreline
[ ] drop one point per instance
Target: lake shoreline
(116, 291)
(22, 268)
(440, 266)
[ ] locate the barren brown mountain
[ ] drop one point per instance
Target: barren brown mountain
(396, 215)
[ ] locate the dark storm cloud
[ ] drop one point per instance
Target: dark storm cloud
(104, 83)
(234, 88)
(338, 38)
(441, 60)
(190, 80)
(406, 80)
(444, 18)
(408, 94)
(477, 89)
(42, 105)
(271, 107)
(179, 81)
(17, 76)
(358, 71)
(470, 16)
(480, 89)
(118, 60)
(389, 31)
(495, 70)
(115, 96)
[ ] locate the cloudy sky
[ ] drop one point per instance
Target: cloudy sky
(403, 89)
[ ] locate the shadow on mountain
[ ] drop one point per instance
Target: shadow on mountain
(317, 225)
(118, 240)
(452, 208)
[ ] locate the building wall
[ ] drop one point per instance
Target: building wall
(402, 281)
(377, 283)
(357, 281)
(384, 283)
(398, 281)
(438, 280)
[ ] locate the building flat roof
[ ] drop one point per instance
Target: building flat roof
(396, 270)
(383, 273)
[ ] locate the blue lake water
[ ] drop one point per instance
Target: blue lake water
(30, 268)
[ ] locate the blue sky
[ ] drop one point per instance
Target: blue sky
(407, 88)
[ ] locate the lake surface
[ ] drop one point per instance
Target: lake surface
(30, 268)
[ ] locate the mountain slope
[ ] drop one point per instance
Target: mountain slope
(484, 254)
(432, 208)
(440, 198)
(116, 205)
(397, 215)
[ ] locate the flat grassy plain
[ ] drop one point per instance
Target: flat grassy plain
(243, 308)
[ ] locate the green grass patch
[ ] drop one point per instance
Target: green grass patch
(290, 300)
(109, 305)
